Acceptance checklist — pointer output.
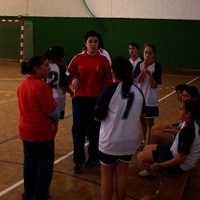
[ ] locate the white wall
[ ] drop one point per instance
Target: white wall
(154, 9)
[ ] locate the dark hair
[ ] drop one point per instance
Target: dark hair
(152, 46)
(54, 53)
(192, 91)
(180, 87)
(90, 34)
(194, 108)
(134, 44)
(122, 69)
(35, 61)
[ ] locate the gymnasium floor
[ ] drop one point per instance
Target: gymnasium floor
(66, 184)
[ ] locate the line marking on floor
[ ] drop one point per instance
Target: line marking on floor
(175, 91)
(8, 100)
(71, 152)
(9, 139)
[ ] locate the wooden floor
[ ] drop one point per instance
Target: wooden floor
(66, 184)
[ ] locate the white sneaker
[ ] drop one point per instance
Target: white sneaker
(144, 173)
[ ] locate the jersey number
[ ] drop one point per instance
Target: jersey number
(129, 105)
(53, 76)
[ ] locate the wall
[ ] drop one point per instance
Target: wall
(173, 26)
(9, 40)
(147, 9)
(177, 41)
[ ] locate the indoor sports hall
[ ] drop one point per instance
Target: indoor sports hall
(29, 27)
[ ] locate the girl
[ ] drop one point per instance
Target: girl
(58, 79)
(148, 74)
(184, 153)
(133, 49)
(90, 73)
(119, 109)
(37, 127)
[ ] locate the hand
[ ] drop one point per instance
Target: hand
(75, 84)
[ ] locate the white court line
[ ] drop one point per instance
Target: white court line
(71, 152)
(175, 91)
(22, 181)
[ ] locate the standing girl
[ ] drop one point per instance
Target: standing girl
(37, 127)
(133, 49)
(90, 73)
(148, 74)
(58, 79)
(119, 109)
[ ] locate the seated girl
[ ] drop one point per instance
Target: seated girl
(184, 153)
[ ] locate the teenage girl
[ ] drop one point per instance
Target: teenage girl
(134, 52)
(165, 133)
(148, 74)
(184, 153)
(58, 79)
(90, 73)
(37, 127)
(119, 132)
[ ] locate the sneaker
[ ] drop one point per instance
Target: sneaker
(141, 146)
(144, 173)
(78, 167)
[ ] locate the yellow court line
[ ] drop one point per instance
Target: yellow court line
(8, 100)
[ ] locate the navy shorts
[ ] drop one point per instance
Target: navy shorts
(109, 160)
(163, 153)
(151, 112)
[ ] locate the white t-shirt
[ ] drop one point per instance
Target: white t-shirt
(119, 131)
(150, 94)
(53, 80)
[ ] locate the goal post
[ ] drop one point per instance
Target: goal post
(13, 40)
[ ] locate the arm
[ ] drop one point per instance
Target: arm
(151, 80)
(73, 72)
(179, 159)
(142, 73)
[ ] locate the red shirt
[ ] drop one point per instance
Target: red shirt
(36, 103)
(93, 72)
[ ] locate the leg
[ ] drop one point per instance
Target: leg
(150, 123)
(44, 153)
(29, 171)
(146, 156)
(160, 126)
(121, 180)
(160, 137)
(78, 131)
(143, 127)
(107, 175)
(92, 135)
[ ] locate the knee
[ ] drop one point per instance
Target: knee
(140, 157)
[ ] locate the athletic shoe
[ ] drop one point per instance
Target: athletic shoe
(144, 173)
(78, 167)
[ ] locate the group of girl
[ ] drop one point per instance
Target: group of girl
(107, 107)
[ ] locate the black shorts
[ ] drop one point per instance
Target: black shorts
(163, 153)
(152, 112)
(110, 160)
